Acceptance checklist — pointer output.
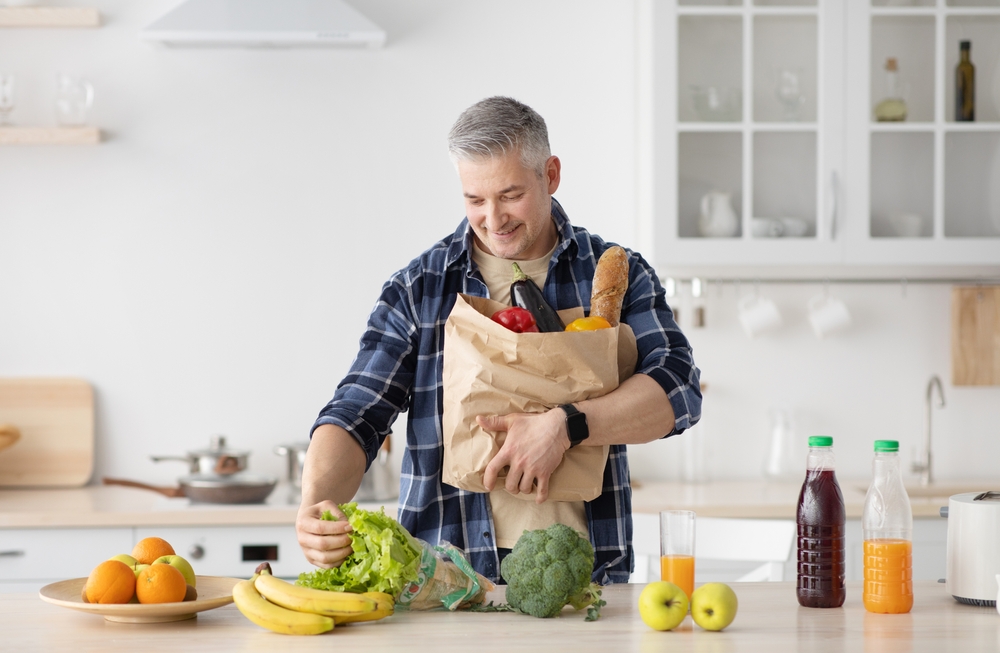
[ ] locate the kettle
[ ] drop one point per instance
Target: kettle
(717, 218)
(379, 483)
(973, 553)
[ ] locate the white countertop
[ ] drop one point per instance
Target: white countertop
(110, 506)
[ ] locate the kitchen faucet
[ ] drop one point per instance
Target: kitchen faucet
(922, 465)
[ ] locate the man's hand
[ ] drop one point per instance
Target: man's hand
(325, 543)
(534, 447)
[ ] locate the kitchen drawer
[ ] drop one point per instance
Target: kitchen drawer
(58, 553)
(235, 550)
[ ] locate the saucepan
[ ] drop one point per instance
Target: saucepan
(239, 487)
(217, 459)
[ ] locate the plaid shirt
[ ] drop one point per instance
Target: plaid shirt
(399, 367)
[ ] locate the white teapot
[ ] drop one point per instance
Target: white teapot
(717, 219)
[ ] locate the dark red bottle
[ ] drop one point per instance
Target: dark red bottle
(821, 519)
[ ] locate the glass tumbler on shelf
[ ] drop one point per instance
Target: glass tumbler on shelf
(788, 90)
(6, 96)
(74, 97)
(677, 548)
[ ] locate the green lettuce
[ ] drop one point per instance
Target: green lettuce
(385, 559)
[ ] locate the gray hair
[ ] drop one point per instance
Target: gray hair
(498, 126)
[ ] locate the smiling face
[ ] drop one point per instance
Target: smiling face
(509, 205)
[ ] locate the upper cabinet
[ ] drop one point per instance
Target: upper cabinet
(759, 143)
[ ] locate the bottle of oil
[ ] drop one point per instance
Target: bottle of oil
(893, 107)
(965, 86)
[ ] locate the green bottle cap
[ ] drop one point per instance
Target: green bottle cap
(886, 445)
(820, 441)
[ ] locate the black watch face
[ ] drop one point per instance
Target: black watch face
(577, 427)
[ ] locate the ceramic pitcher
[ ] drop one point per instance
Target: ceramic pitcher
(717, 219)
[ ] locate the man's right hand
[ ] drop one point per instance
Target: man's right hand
(325, 543)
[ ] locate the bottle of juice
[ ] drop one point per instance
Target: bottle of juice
(821, 518)
(887, 527)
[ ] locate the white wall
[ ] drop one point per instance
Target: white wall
(210, 266)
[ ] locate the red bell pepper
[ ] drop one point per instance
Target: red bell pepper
(517, 319)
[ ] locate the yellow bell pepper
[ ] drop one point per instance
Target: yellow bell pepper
(592, 323)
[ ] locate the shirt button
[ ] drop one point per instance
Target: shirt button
(486, 534)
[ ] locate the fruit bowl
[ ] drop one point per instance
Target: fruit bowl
(213, 592)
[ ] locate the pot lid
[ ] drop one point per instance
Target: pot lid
(217, 447)
(239, 479)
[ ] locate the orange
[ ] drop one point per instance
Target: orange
(160, 583)
(150, 548)
(112, 581)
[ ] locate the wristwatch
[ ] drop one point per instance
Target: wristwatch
(576, 425)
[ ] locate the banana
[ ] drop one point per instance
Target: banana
(307, 599)
(274, 617)
(386, 606)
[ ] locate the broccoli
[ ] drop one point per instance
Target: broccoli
(549, 569)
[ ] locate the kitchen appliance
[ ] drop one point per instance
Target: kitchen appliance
(217, 459)
(973, 550)
(265, 23)
(239, 487)
(55, 417)
(296, 459)
(379, 483)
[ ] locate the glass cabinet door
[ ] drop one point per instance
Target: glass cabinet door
(737, 131)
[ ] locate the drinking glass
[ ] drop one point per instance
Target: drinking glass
(788, 89)
(677, 549)
(6, 96)
(74, 96)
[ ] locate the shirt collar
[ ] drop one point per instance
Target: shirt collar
(461, 244)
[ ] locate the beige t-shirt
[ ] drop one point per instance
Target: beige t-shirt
(513, 516)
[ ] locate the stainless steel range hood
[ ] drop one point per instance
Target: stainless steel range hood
(264, 23)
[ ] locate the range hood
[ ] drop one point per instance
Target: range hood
(264, 23)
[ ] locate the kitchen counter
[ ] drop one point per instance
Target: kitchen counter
(769, 619)
(99, 506)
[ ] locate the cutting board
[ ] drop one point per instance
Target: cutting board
(56, 421)
(975, 335)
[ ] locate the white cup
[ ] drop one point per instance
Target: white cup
(758, 314)
(74, 97)
(827, 314)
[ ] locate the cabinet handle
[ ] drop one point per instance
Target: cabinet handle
(835, 204)
(196, 551)
(15, 553)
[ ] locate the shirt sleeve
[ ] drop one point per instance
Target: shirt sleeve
(377, 387)
(664, 352)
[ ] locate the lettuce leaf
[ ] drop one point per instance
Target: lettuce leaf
(386, 557)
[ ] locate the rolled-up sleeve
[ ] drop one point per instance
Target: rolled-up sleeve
(377, 387)
(664, 352)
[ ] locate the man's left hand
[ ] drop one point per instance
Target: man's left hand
(534, 447)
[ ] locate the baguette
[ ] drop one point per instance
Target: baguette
(610, 284)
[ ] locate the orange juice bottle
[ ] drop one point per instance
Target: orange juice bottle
(887, 526)
(679, 570)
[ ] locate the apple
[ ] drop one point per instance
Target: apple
(126, 558)
(182, 566)
(662, 605)
(713, 606)
(137, 568)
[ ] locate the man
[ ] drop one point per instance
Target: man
(501, 152)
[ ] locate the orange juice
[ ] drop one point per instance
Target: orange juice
(888, 585)
(679, 570)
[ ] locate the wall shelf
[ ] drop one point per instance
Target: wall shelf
(49, 17)
(50, 135)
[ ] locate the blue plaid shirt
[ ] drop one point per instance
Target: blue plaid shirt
(399, 368)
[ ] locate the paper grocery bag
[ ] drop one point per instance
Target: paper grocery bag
(490, 370)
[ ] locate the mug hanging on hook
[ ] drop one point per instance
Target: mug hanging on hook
(827, 314)
(758, 314)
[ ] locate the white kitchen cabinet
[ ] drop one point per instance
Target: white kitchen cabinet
(33, 557)
(771, 102)
(235, 550)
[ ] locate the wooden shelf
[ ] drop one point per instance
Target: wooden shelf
(50, 135)
(49, 17)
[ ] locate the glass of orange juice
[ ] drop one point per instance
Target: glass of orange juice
(677, 548)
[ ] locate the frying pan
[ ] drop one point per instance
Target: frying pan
(211, 488)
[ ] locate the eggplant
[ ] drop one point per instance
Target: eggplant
(525, 293)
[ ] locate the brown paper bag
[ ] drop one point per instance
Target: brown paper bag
(490, 370)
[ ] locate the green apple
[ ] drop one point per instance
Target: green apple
(126, 558)
(182, 566)
(713, 606)
(662, 605)
(137, 568)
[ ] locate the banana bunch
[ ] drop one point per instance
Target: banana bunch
(289, 609)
